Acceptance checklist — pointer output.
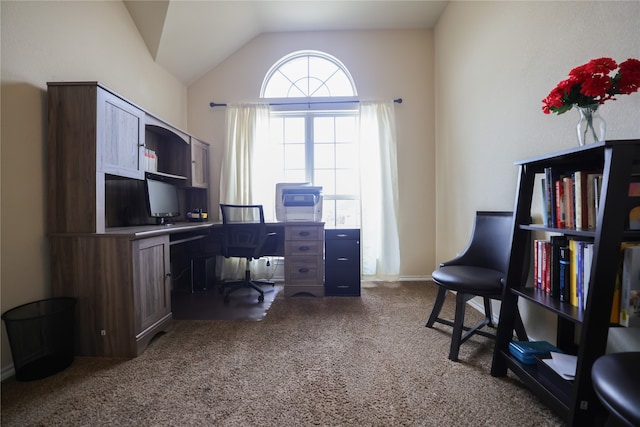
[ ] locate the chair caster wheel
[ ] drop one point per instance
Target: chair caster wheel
(261, 298)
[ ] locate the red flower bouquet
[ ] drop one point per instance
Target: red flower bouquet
(592, 83)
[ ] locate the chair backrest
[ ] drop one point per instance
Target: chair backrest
(243, 230)
(490, 244)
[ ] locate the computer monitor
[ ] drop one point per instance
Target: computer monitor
(162, 200)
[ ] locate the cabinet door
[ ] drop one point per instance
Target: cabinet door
(199, 164)
(120, 137)
(152, 281)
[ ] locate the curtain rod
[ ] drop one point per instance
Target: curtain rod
(397, 100)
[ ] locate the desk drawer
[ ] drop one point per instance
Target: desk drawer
(302, 247)
(303, 269)
(304, 232)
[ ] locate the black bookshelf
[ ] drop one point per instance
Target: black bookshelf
(575, 401)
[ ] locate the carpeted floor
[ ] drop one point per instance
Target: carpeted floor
(333, 361)
(209, 305)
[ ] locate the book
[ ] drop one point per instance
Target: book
(581, 199)
(588, 261)
(617, 292)
(580, 273)
(559, 204)
(630, 282)
(592, 210)
(549, 196)
(573, 275)
(568, 200)
(555, 243)
(564, 271)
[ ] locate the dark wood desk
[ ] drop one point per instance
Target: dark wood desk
(122, 278)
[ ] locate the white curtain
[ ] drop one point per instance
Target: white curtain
(247, 127)
(379, 191)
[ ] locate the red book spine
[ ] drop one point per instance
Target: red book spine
(560, 213)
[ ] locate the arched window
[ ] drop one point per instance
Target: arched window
(315, 143)
(307, 74)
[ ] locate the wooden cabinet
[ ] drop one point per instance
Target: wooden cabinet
(96, 168)
(199, 163)
(342, 262)
(151, 282)
(96, 160)
(122, 287)
(303, 262)
(581, 332)
(120, 136)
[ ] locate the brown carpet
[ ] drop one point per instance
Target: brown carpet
(332, 361)
(209, 305)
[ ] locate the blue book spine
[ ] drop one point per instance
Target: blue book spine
(563, 266)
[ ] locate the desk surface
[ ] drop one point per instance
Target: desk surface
(143, 231)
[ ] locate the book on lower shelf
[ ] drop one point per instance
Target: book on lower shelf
(527, 351)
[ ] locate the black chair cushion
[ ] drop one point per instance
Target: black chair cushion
(616, 380)
(467, 279)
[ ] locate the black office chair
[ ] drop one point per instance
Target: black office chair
(478, 271)
(244, 235)
(616, 381)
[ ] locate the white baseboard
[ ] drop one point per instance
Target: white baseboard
(7, 372)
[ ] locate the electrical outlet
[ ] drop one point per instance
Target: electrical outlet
(103, 332)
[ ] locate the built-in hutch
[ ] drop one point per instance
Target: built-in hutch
(100, 148)
(581, 331)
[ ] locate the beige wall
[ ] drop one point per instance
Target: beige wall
(495, 62)
(384, 65)
(56, 41)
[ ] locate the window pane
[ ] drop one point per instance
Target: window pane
(340, 85)
(296, 68)
(346, 182)
(323, 130)
(294, 175)
(294, 156)
(345, 129)
(308, 74)
(346, 156)
(325, 178)
(324, 156)
(347, 213)
(294, 130)
(278, 86)
(321, 67)
(276, 128)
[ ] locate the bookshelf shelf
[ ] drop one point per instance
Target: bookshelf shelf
(582, 332)
(554, 305)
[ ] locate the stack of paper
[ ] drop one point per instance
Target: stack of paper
(563, 364)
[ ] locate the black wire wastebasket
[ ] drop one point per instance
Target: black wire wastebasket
(41, 337)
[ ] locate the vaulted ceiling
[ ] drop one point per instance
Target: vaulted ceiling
(189, 38)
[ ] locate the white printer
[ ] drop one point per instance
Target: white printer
(298, 202)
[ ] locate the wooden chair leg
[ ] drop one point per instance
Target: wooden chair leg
(437, 306)
(487, 311)
(458, 325)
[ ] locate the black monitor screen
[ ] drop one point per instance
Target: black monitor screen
(162, 199)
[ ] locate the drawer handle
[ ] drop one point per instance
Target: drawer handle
(342, 286)
(342, 235)
(304, 248)
(343, 259)
(303, 233)
(303, 270)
